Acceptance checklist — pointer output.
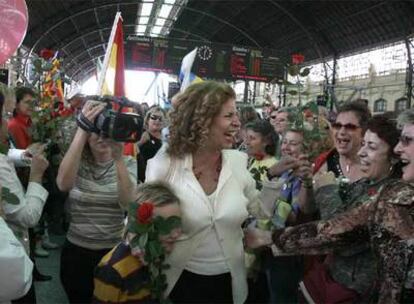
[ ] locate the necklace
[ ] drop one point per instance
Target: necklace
(347, 166)
(199, 173)
(105, 170)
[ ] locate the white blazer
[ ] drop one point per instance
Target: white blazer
(236, 198)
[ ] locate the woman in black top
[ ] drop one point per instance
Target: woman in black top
(150, 141)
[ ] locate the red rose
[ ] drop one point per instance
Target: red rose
(144, 212)
(297, 58)
(372, 191)
(47, 54)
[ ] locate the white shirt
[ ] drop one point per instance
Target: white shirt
(15, 266)
(208, 258)
(27, 212)
(238, 197)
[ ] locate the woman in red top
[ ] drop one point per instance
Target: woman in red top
(21, 121)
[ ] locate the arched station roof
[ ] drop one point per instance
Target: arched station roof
(318, 29)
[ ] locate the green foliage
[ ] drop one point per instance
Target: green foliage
(46, 121)
(305, 72)
(312, 134)
(293, 70)
(257, 173)
(165, 225)
(4, 148)
(9, 197)
(147, 238)
(296, 88)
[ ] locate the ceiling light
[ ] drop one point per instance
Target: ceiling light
(169, 1)
(156, 29)
(146, 9)
(165, 11)
(143, 20)
(141, 28)
(160, 22)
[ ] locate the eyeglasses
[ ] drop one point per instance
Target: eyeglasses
(156, 117)
(291, 142)
(406, 140)
(348, 126)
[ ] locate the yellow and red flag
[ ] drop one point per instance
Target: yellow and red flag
(111, 80)
(112, 75)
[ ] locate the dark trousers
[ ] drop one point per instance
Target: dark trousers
(195, 288)
(283, 277)
(77, 267)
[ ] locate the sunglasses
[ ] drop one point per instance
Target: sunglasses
(156, 117)
(406, 140)
(348, 126)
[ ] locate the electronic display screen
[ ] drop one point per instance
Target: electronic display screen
(213, 60)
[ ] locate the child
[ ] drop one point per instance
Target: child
(131, 272)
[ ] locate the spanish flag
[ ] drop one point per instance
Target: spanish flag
(112, 76)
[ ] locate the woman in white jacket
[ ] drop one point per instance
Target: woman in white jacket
(15, 266)
(217, 194)
(22, 209)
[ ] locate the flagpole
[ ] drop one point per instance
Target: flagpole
(108, 54)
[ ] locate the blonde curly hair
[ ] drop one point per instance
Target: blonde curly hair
(192, 118)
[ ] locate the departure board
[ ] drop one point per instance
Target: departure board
(213, 60)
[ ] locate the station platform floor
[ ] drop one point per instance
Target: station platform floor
(51, 292)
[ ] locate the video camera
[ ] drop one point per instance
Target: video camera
(112, 123)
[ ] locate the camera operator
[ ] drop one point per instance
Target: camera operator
(101, 182)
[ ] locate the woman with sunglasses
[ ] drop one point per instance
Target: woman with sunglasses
(342, 163)
(347, 132)
(349, 274)
(385, 221)
(150, 141)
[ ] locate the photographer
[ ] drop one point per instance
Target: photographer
(101, 182)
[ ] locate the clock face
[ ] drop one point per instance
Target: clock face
(205, 52)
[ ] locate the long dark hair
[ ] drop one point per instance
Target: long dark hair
(387, 130)
(264, 128)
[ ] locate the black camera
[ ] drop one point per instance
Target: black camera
(113, 122)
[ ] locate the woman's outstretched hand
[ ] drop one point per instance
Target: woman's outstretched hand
(255, 238)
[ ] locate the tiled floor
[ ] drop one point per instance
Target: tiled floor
(51, 292)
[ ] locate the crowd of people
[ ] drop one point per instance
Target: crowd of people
(220, 205)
